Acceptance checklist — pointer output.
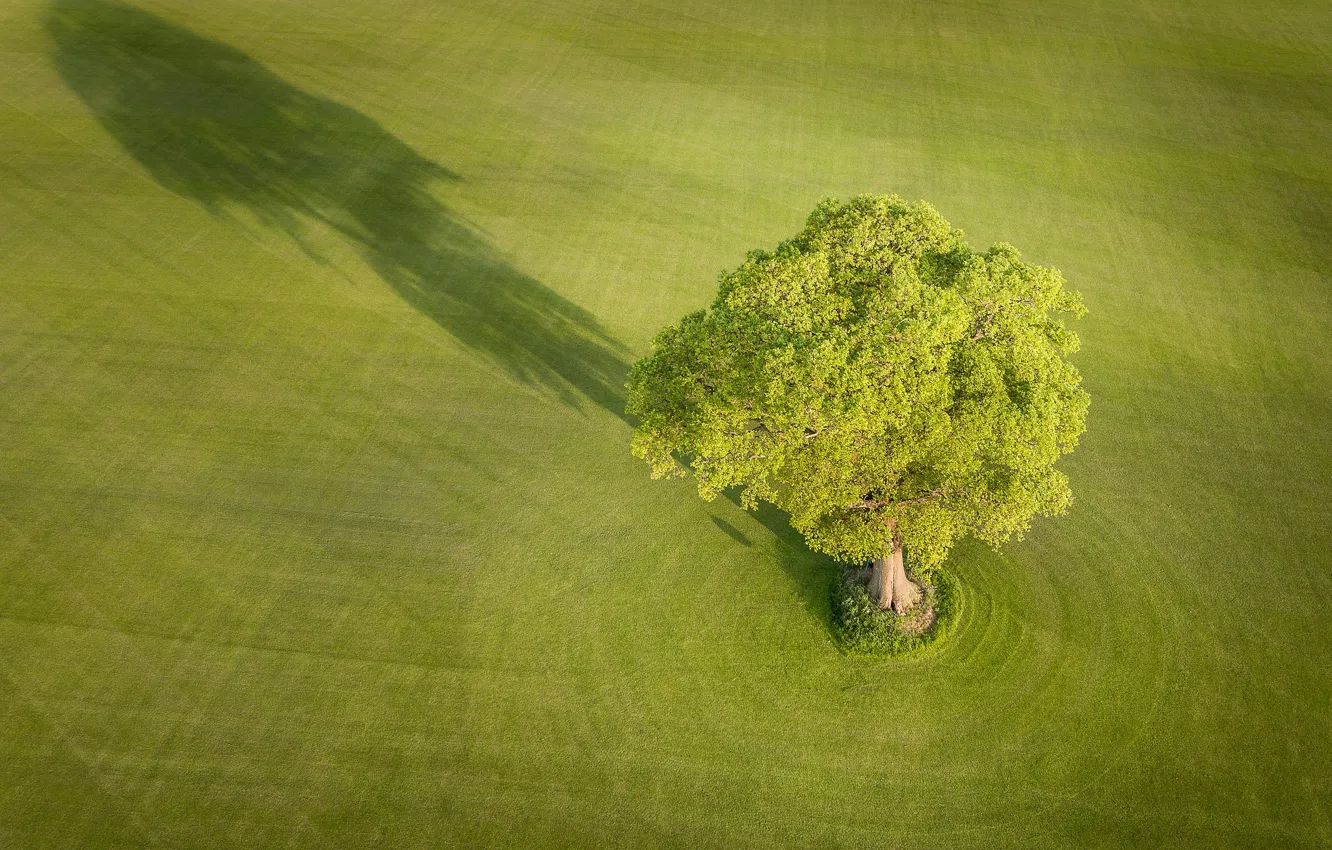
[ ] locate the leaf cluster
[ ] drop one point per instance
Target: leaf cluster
(876, 378)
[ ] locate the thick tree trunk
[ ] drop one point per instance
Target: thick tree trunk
(889, 584)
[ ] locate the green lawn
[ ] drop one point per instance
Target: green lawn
(318, 524)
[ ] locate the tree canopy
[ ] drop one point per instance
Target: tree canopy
(876, 378)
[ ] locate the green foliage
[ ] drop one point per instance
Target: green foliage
(877, 379)
(863, 628)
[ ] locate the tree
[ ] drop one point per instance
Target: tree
(882, 382)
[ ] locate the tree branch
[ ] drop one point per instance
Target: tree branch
(876, 504)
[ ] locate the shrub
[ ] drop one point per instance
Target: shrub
(863, 628)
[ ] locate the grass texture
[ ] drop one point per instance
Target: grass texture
(318, 525)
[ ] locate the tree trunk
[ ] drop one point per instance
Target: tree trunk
(889, 584)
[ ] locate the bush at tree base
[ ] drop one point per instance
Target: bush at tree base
(863, 628)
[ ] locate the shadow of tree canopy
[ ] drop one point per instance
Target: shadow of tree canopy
(213, 125)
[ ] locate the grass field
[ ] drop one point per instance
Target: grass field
(318, 525)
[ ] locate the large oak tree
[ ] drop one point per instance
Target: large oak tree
(878, 379)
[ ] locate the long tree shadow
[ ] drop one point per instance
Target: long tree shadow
(215, 126)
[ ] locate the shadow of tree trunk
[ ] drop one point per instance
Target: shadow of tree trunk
(215, 126)
(812, 573)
